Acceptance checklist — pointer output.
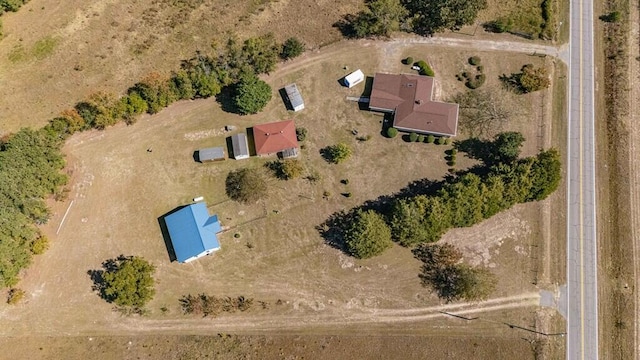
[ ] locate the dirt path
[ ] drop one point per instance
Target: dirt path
(634, 137)
(393, 46)
(252, 323)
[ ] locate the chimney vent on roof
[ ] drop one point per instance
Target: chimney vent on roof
(281, 131)
(268, 134)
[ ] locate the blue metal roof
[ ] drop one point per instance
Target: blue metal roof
(193, 231)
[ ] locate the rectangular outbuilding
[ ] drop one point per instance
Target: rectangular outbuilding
(295, 99)
(240, 146)
(211, 154)
(354, 78)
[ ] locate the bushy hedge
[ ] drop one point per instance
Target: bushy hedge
(471, 198)
(392, 132)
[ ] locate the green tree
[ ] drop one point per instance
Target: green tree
(251, 95)
(367, 235)
(246, 185)
(128, 282)
(546, 174)
(261, 53)
(381, 18)
(336, 153)
(132, 106)
(506, 146)
(292, 47)
(157, 90)
(429, 17)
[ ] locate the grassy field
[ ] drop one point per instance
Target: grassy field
(54, 55)
(119, 190)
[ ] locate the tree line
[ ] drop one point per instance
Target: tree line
(423, 17)
(234, 66)
(30, 171)
(31, 160)
(423, 214)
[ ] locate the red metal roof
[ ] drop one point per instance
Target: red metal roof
(410, 98)
(274, 137)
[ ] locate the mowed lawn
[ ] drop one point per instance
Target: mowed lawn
(120, 189)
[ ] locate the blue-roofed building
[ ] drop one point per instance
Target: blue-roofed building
(193, 232)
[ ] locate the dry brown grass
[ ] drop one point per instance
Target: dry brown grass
(119, 190)
(54, 55)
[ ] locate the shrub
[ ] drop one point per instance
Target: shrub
(347, 194)
(499, 25)
(430, 139)
(612, 17)
(476, 82)
(408, 61)
(246, 185)
(439, 140)
(251, 95)
(15, 296)
(392, 132)
(344, 181)
(301, 133)
(291, 48)
(480, 68)
(474, 60)
(427, 71)
(420, 138)
(314, 176)
(286, 169)
(336, 153)
(413, 137)
(40, 245)
(447, 141)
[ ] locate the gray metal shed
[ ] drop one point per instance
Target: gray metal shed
(211, 154)
(295, 99)
(240, 146)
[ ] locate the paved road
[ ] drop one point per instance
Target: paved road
(582, 263)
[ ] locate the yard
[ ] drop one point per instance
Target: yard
(119, 190)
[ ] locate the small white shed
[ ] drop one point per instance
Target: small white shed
(240, 146)
(354, 78)
(295, 99)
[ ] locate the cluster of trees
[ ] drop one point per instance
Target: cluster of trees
(126, 281)
(529, 79)
(424, 17)
(208, 305)
(30, 164)
(470, 198)
(443, 271)
(460, 201)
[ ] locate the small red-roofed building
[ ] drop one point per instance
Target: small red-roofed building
(277, 137)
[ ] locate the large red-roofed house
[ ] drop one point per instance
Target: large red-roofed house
(276, 137)
(410, 99)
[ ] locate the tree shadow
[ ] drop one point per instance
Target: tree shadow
(165, 233)
(325, 152)
(97, 277)
(475, 148)
(345, 26)
(225, 99)
(285, 99)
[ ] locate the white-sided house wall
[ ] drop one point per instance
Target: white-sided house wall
(204, 253)
(354, 78)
